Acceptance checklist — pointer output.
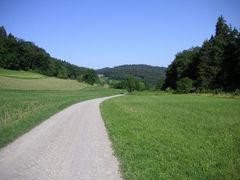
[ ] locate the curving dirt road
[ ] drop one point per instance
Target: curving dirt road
(72, 144)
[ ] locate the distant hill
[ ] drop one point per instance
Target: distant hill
(149, 74)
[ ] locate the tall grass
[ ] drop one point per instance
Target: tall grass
(164, 136)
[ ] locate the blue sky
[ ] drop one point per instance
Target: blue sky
(100, 33)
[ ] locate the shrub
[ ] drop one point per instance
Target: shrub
(237, 92)
(184, 85)
(140, 86)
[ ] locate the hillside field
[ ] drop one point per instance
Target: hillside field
(20, 74)
(27, 102)
(24, 80)
(166, 136)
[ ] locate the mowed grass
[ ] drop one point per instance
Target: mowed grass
(175, 136)
(20, 74)
(21, 110)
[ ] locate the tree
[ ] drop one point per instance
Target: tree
(140, 86)
(184, 85)
(204, 72)
(145, 73)
(160, 83)
(3, 49)
(130, 84)
(184, 65)
(90, 77)
(216, 65)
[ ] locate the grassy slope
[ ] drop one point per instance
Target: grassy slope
(20, 74)
(23, 109)
(40, 84)
(24, 80)
(175, 136)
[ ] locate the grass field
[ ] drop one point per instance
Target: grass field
(21, 110)
(27, 100)
(24, 80)
(175, 136)
(20, 74)
(49, 83)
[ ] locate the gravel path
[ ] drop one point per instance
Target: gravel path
(73, 144)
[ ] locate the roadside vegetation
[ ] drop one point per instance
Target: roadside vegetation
(21, 110)
(29, 98)
(165, 136)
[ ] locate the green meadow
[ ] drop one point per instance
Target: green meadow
(20, 74)
(166, 136)
(27, 102)
(24, 80)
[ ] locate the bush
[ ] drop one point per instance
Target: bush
(237, 92)
(169, 90)
(140, 86)
(218, 91)
(90, 77)
(184, 85)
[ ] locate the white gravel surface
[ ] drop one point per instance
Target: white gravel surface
(73, 144)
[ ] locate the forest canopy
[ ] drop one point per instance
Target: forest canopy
(214, 65)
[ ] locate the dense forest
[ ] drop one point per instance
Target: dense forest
(18, 54)
(146, 73)
(214, 66)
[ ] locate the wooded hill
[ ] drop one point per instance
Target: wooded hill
(146, 73)
(213, 66)
(18, 54)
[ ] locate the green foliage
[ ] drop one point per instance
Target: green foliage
(216, 65)
(130, 84)
(145, 73)
(21, 110)
(119, 85)
(184, 85)
(90, 77)
(140, 86)
(160, 84)
(237, 92)
(184, 65)
(162, 136)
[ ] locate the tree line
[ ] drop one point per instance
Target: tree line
(18, 54)
(213, 66)
(131, 84)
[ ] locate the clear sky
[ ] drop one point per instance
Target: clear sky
(100, 33)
